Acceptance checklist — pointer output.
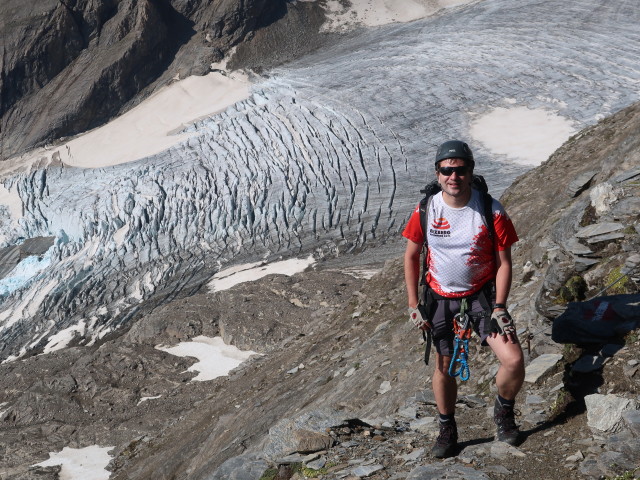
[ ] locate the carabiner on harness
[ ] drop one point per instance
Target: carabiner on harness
(462, 334)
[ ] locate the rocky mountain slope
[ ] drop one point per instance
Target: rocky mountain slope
(341, 390)
(68, 67)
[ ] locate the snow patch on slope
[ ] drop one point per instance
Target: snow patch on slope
(253, 271)
(151, 127)
(64, 337)
(81, 463)
(524, 135)
(372, 13)
(215, 358)
(12, 201)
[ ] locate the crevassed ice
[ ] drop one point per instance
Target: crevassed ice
(23, 272)
(329, 151)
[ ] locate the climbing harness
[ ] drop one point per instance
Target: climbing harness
(462, 331)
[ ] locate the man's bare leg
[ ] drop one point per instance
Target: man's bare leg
(445, 391)
(509, 380)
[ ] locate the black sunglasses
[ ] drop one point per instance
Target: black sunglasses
(448, 171)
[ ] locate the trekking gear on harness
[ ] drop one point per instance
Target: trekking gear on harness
(455, 149)
(462, 331)
(502, 323)
(420, 318)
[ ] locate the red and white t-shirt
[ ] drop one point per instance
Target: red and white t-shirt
(461, 255)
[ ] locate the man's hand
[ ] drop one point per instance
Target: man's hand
(418, 319)
(502, 324)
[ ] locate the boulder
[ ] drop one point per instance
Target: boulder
(248, 466)
(304, 433)
(605, 412)
(541, 365)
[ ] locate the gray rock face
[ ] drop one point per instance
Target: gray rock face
(581, 182)
(243, 467)
(599, 229)
(437, 472)
(303, 434)
(632, 419)
(70, 66)
(541, 365)
(605, 412)
(560, 243)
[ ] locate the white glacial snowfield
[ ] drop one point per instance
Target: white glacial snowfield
(372, 13)
(81, 463)
(215, 358)
(248, 272)
(524, 135)
(154, 125)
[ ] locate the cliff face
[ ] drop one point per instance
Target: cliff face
(578, 212)
(70, 66)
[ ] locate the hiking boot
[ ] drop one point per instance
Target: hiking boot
(507, 429)
(447, 441)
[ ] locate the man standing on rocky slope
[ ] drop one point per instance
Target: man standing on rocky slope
(467, 265)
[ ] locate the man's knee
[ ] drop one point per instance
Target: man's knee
(442, 364)
(514, 362)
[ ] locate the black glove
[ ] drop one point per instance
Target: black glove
(502, 323)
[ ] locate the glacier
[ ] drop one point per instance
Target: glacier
(326, 156)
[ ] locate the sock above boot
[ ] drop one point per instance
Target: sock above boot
(504, 402)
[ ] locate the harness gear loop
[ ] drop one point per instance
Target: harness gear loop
(462, 334)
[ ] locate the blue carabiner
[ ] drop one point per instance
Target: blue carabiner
(463, 372)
